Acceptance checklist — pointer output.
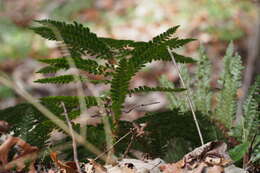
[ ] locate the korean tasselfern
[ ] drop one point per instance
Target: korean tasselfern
(116, 62)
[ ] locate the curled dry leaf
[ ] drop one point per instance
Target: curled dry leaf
(28, 154)
(67, 167)
(209, 158)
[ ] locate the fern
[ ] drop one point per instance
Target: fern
(202, 94)
(251, 113)
(88, 65)
(64, 79)
(70, 101)
(75, 36)
(230, 81)
(140, 56)
(148, 89)
(115, 61)
(166, 35)
(28, 123)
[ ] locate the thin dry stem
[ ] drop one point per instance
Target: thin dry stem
(142, 105)
(74, 144)
(114, 145)
(187, 96)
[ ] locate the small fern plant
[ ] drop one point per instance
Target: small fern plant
(222, 111)
(116, 62)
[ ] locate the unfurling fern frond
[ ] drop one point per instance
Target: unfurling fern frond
(75, 36)
(149, 89)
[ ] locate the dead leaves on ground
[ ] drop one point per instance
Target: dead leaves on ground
(27, 155)
(209, 158)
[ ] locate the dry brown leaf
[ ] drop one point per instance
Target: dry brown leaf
(28, 154)
(209, 158)
(97, 167)
(68, 167)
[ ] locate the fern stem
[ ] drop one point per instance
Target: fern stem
(187, 96)
(74, 144)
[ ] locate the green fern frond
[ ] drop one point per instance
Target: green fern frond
(70, 101)
(165, 35)
(202, 95)
(75, 36)
(117, 44)
(149, 89)
(251, 116)
(64, 79)
(88, 65)
(145, 53)
(28, 123)
(119, 87)
(230, 81)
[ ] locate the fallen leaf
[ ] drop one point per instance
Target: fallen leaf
(28, 154)
(68, 167)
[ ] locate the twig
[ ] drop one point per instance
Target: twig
(142, 105)
(114, 145)
(187, 96)
(74, 144)
(129, 145)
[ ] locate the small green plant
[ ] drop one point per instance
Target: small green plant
(224, 111)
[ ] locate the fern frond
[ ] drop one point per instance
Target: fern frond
(155, 52)
(28, 123)
(202, 95)
(116, 44)
(119, 87)
(165, 35)
(149, 89)
(70, 101)
(88, 65)
(144, 53)
(75, 36)
(230, 81)
(64, 79)
(251, 116)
